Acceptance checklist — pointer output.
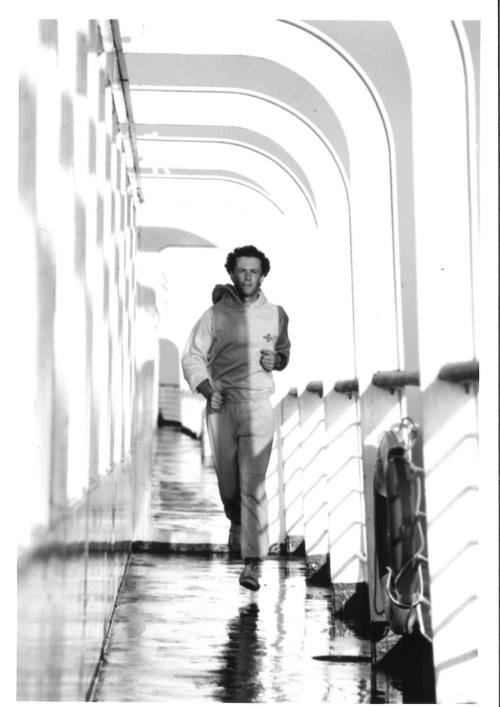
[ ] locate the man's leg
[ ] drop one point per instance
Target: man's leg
(222, 434)
(255, 439)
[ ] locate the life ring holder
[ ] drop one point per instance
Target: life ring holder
(399, 535)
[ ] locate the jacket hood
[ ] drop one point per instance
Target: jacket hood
(229, 296)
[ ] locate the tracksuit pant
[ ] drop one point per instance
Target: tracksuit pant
(241, 438)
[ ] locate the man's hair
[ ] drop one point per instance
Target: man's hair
(247, 251)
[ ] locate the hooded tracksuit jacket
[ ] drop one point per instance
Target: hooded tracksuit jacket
(225, 347)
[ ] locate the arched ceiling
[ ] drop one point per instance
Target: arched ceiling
(282, 109)
(229, 134)
(304, 113)
(256, 126)
(236, 119)
(152, 238)
(246, 74)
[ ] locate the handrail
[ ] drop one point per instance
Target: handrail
(464, 372)
(315, 387)
(392, 380)
(348, 386)
(128, 117)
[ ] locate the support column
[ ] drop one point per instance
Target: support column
(34, 256)
(346, 513)
(102, 349)
(445, 143)
(274, 489)
(65, 356)
(314, 483)
(93, 293)
(292, 481)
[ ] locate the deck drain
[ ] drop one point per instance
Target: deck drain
(343, 658)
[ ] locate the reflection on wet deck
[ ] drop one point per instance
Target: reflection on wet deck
(185, 630)
(185, 501)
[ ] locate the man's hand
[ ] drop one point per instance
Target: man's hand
(216, 400)
(268, 359)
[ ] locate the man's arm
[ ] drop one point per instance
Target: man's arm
(195, 359)
(206, 389)
(196, 351)
(282, 349)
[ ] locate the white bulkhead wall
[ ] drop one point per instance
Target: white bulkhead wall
(78, 214)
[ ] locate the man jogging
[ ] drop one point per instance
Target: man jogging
(228, 358)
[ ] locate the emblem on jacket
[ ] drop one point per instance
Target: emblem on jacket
(268, 337)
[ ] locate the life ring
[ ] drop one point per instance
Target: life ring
(399, 536)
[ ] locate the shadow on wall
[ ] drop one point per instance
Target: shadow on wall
(145, 409)
(42, 320)
(346, 519)
(143, 442)
(453, 512)
(177, 407)
(169, 370)
(169, 396)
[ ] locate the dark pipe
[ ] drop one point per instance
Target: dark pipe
(315, 387)
(460, 372)
(390, 380)
(349, 387)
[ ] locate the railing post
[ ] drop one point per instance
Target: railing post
(275, 491)
(346, 514)
(292, 482)
(453, 512)
(314, 484)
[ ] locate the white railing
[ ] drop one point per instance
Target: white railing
(315, 484)
(321, 490)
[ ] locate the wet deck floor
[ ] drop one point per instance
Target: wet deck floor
(186, 507)
(184, 629)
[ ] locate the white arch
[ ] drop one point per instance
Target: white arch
(472, 170)
(379, 105)
(213, 152)
(305, 143)
(218, 178)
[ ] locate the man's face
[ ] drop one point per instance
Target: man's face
(247, 276)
